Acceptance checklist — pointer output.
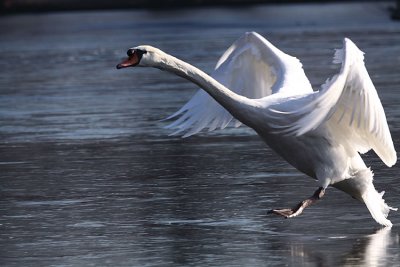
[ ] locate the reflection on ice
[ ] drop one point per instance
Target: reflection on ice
(373, 249)
(369, 251)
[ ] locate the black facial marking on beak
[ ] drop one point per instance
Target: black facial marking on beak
(138, 51)
(130, 52)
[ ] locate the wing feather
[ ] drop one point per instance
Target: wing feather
(348, 105)
(252, 67)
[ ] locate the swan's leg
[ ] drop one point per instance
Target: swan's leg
(289, 213)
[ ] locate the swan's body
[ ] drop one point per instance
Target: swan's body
(321, 133)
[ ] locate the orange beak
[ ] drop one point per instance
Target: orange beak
(131, 61)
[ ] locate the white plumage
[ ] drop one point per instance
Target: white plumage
(251, 67)
(321, 133)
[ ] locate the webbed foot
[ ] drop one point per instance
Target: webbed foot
(293, 212)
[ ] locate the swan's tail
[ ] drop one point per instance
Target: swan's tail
(360, 186)
(377, 205)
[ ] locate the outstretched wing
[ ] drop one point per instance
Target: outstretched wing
(251, 67)
(348, 105)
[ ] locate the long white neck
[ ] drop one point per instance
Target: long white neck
(239, 106)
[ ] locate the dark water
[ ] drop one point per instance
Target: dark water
(90, 178)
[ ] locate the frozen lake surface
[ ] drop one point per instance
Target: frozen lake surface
(89, 177)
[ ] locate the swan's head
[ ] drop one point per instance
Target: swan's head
(142, 56)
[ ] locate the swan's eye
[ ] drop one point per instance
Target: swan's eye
(141, 52)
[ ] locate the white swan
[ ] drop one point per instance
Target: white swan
(320, 133)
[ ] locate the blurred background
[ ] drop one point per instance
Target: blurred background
(52, 5)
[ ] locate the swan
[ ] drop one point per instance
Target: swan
(321, 133)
